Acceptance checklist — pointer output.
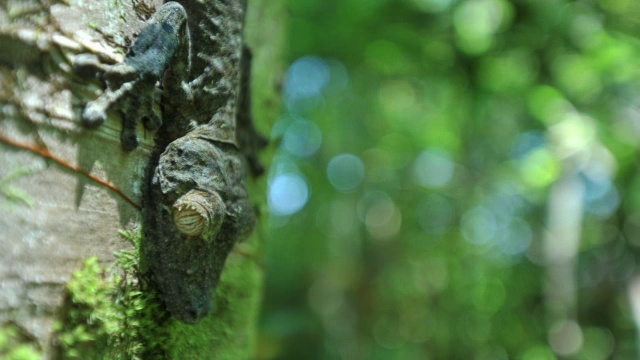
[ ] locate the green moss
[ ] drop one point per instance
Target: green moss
(109, 314)
(14, 346)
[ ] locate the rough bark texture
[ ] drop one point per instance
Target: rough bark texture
(65, 192)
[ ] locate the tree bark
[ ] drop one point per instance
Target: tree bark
(66, 192)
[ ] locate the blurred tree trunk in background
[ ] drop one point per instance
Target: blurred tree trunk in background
(65, 192)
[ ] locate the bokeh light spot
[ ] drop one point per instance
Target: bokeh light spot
(304, 82)
(380, 215)
(539, 168)
(397, 97)
(526, 142)
(566, 338)
(433, 168)
(288, 194)
(538, 352)
(599, 343)
(306, 77)
(515, 237)
(476, 21)
(339, 80)
(479, 225)
(577, 76)
(302, 138)
(600, 195)
(547, 104)
(345, 172)
(325, 296)
(574, 133)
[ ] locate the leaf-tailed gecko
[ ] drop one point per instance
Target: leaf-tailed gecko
(189, 58)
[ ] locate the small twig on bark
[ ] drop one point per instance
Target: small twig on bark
(44, 152)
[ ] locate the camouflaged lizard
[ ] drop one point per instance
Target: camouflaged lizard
(189, 58)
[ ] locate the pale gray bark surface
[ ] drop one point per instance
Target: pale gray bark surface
(52, 217)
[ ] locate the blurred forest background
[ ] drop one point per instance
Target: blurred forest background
(456, 179)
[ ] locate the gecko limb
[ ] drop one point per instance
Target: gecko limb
(132, 85)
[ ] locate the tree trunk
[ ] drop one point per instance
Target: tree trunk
(70, 198)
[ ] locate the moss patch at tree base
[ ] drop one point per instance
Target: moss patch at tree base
(16, 346)
(111, 314)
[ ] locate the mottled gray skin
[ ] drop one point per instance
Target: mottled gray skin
(187, 269)
(195, 48)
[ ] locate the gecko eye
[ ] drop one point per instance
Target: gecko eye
(198, 213)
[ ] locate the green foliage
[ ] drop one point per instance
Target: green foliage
(467, 116)
(13, 346)
(110, 315)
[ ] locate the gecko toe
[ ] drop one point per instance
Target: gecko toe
(92, 117)
(129, 140)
